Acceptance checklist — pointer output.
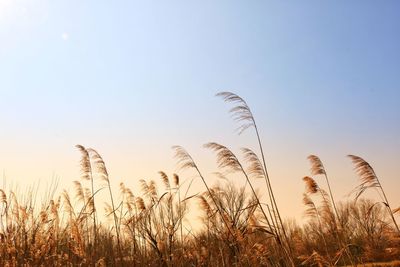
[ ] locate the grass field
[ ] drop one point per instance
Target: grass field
(237, 227)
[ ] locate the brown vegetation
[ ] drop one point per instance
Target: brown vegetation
(236, 228)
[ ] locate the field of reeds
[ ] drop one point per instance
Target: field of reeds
(237, 227)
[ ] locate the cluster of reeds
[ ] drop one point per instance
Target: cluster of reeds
(354, 232)
(237, 226)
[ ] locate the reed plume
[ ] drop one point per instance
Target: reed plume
(225, 157)
(312, 210)
(165, 180)
(326, 208)
(176, 179)
(87, 174)
(311, 185)
(369, 179)
(86, 167)
(227, 160)
(317, 168)
(242, 114)
(255, 168)
(102, 172)
(316, 165)
(185, 161)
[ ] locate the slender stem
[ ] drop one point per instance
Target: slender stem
(322, 233)
(180, 213)
(115, 222)
(341, 241)
(388, 205)
(331, 195)
(215, 202)
(94, 214)
(262, 209)
(271, 192)
(255, 195)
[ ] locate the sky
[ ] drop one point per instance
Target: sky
(133, 78)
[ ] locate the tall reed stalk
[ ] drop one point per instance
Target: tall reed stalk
(317, 168)
(227, 160)
(185, 161)
(241, 113)
(102, 171)
(369, 179)
(87, 174)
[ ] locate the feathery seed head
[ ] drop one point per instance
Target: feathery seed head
(176, 179)
(165, 180)
(225, 157)
(184, 160)
(255, 167)
(366, 173)
(241, 112)
(316, 165)
(86, 167)
(311, 185)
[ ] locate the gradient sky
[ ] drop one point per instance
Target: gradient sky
(133, 78)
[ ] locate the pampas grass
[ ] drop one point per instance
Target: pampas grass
(242, 114)
(154, 230)
(369, 179)
(156, 224)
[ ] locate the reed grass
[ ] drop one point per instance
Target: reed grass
(153, 226)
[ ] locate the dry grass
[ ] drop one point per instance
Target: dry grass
(236, 227)
(381, 264)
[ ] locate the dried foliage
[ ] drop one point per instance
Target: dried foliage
(184, 160)
(255, 168)
(369, 179)
(311, 185)
(236, 228)
(153, 230)
(225, 158)
(316, 165)
(240, 112)
(366, 173)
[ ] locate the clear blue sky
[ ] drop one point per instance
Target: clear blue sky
(133, 78)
